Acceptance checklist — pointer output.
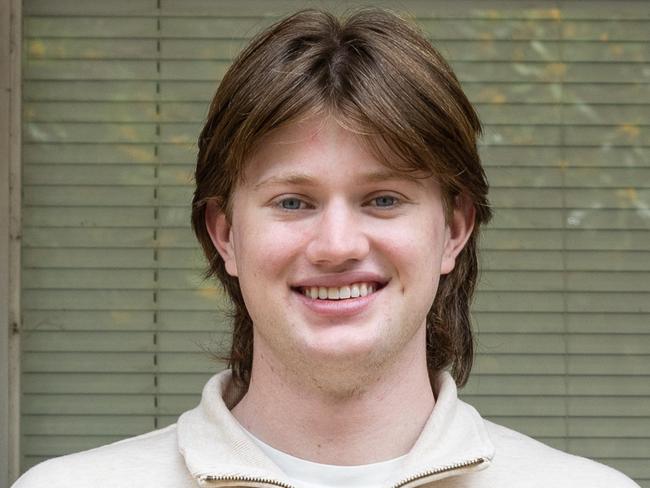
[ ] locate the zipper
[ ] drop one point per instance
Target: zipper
(268, 481)
(437, 471)
(247, 479)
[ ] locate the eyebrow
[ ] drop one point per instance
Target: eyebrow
(301, 179)
(304, 179)
(388, 175)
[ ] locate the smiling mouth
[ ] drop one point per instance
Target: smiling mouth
(354, 290)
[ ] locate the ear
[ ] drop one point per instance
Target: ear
(459, 228)
(220, 231)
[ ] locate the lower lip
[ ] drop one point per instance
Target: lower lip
(337, 308)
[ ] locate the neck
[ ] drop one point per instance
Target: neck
(379, 419)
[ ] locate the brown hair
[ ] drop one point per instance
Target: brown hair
(377, 74)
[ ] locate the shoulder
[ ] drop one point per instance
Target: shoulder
(532, 463)
(147, 460)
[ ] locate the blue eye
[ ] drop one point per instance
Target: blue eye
(291, 203)
(385, 201)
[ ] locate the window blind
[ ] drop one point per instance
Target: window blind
(117, 320)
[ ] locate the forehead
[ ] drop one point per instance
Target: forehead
(320, 144)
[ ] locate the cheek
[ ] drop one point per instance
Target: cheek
(417, 252)
(264, 250)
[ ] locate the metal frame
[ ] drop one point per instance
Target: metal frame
(10, 232)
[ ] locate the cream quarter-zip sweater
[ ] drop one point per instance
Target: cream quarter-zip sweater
(208, 448)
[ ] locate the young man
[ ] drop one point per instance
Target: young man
(339, 194)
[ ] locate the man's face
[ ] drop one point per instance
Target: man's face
(338, 257)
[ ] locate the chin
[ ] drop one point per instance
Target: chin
(356, 361)
(342, 342)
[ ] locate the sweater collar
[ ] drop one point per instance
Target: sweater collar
(215, 446)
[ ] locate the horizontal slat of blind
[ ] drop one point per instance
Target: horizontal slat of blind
(115, 310)
(541, 114)
(465, 9)
(225, 49)
(198, 91)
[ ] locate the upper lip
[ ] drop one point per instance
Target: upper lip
(341, 279)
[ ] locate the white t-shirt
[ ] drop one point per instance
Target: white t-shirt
(308, 474)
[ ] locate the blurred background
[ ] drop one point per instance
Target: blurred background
(116, 319)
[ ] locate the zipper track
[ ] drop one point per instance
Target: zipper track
(443, 469)
(251, 479)
(410, 479)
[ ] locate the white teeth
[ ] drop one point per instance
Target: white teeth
(344, 292)
(354, 290)
(363, 289)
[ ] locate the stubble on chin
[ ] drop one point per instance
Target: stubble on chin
(338, 379)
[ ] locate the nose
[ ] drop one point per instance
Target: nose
(337, 236)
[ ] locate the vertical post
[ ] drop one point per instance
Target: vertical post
(10, 231)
